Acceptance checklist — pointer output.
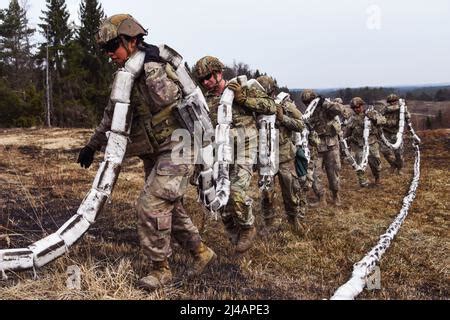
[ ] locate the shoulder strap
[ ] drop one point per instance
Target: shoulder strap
(151, 53)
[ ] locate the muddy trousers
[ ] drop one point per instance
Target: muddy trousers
(394, 157)
(331, 161)
(293, 191)
(374, 159)
(161, 214)
(238, 211)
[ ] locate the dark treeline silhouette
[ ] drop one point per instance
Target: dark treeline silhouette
(78, 75)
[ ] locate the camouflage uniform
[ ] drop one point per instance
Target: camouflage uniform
(354, 134)
(293, 188)
(238, 212)
(324, 123)
(390, 129)
(159, 207)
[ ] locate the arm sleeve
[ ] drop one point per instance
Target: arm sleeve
(160, 80)
(99, 139)
(335, 109)
(259, 102)
(292, 118)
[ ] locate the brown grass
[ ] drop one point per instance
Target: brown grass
(42, 187)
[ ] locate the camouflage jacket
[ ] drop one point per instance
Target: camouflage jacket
(392, 115)
(257, 102)
(243, 116)
(292, 122)
(355, 127)
(153, 121)
(323, 122)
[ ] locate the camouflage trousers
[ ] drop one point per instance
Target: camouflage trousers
(331, 161)
(394, 157)
(374, 160)
(238, 211)
(161, 214)
(293, 191)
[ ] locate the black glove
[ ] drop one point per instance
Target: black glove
(86, 157)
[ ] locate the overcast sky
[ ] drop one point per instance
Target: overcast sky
(302, 43)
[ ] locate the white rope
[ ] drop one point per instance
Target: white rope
(365, 158)
(401, 128)
(301, 139)
(365, 266)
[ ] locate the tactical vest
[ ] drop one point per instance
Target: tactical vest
(392, 115)
(323, 124)
(157, 123)
(357, 127)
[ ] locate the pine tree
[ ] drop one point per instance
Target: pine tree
(55, 28)
(15, 54)
(97, 70)
(91, 14)
(56, 31)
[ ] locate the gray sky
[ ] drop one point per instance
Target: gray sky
(302, 43)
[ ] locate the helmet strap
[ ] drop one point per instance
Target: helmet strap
(125, 45)
(217, 85)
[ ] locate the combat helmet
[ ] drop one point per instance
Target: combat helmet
(267, 83)
(392, 98)
(119, 25)
(338, 100)
(356, 102)
(206, 66)
(308, 95)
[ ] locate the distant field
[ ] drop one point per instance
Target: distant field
(420, 110)
(42, 186)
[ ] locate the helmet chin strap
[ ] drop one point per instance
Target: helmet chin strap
(125, 45)
(215, 88)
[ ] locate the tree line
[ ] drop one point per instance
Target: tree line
(78, 74)
(64, 80)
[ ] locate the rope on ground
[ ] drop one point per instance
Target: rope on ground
(365, 266)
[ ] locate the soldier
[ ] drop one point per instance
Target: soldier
(237, 215)
(343, 121)
(327, 128)
(390, 129)
(293, 188)
(160, 209)
(354, 134)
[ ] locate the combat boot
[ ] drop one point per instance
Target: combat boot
(203, 256)
(297, 225)
(269, 222)
(232, 229)
(321, 202)
(158, 277)
(377, 180)
(336, 199)
(246, 237)
(363, 183)
(362, 179)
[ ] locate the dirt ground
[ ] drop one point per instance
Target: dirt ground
(42, 187)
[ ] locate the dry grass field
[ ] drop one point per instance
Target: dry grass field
(42, 186)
